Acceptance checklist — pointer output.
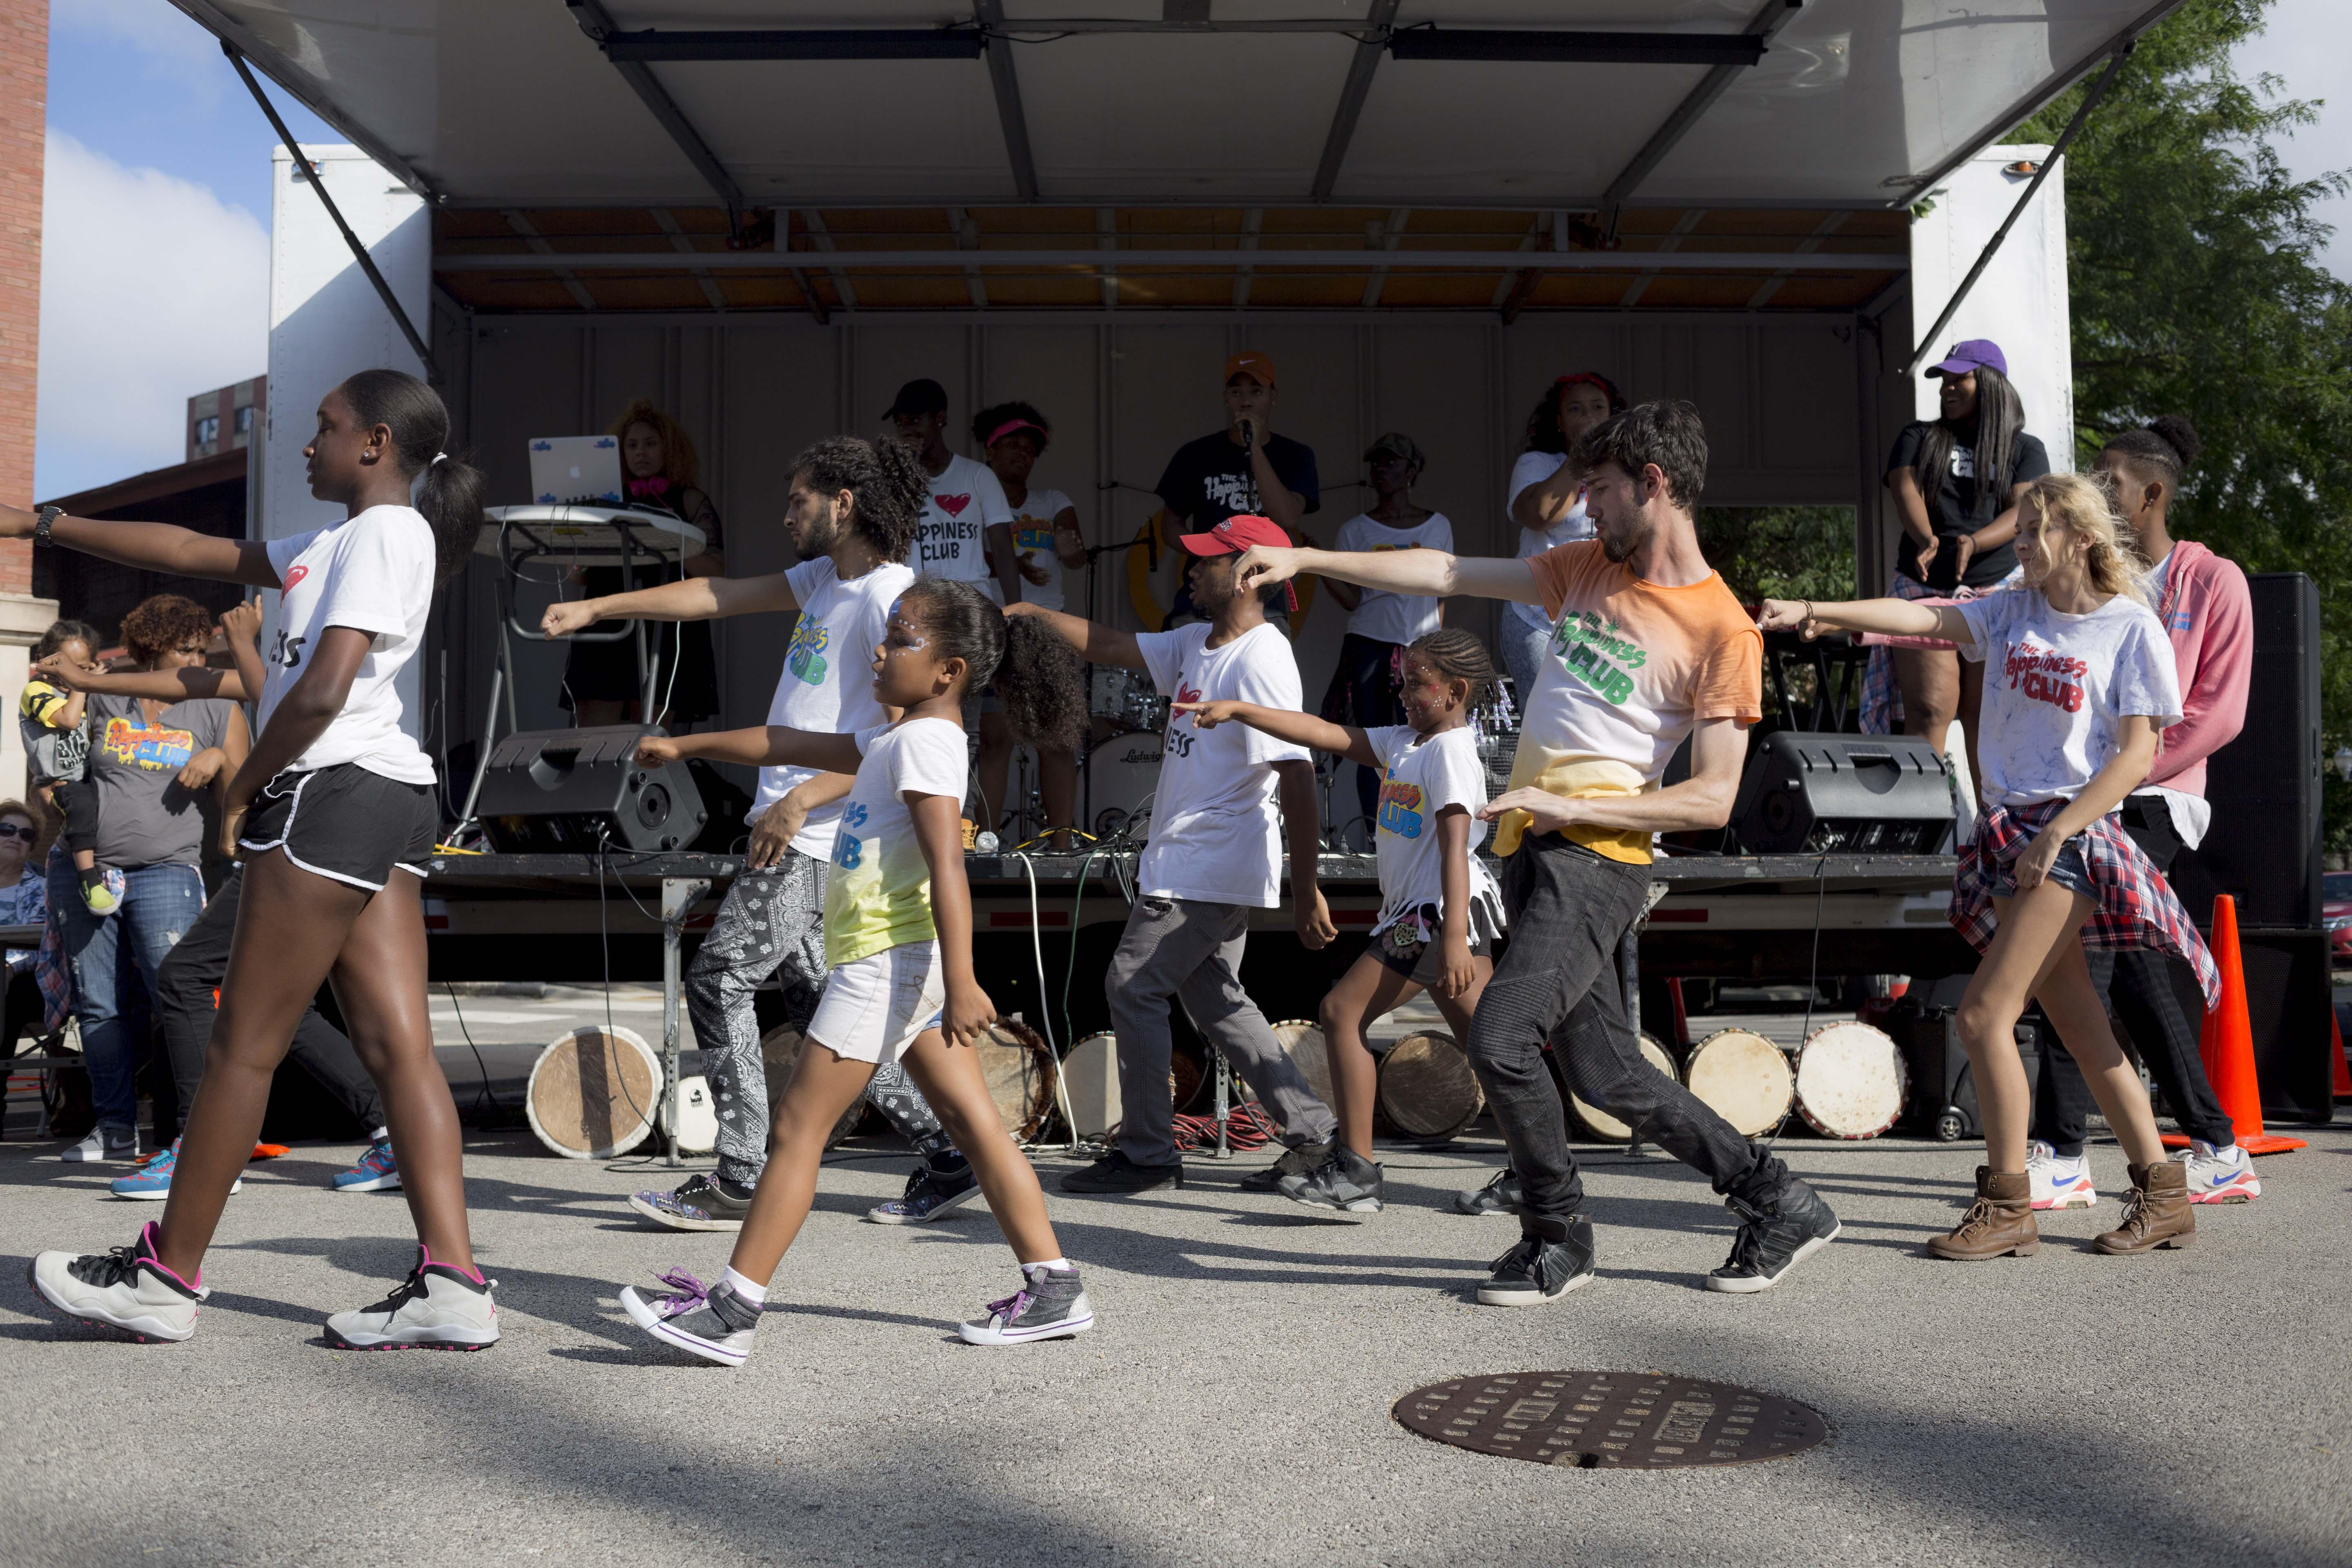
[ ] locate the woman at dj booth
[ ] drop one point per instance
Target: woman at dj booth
(601, 679)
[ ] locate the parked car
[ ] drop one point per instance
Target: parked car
(2336, 913)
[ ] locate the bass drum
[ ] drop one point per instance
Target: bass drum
(1091, 1073)
(1120, 775)
(593, 1093)
(1020, 1073)
(1743, 1078)
(1851, 1081)
(1427, 1091)
(780, 1048)
(1605, 1128)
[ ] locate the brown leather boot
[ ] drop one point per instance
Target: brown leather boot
(2156, 1211)
(2000, 1221)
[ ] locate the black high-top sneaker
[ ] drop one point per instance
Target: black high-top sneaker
(1501, 1195)
(1774, 1239)
(1345, 1183)
(1553, 1257)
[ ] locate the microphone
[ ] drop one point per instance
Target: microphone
(1249, 432)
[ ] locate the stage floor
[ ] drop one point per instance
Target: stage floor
(1232, 1407)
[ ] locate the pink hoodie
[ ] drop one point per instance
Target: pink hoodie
(2209, 614)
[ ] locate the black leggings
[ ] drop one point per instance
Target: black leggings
(187, 991)
(2160, 1005)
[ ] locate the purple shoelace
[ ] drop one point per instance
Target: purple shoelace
(1010, 1308)
(686, 1293)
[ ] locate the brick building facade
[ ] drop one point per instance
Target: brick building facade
(24, 113)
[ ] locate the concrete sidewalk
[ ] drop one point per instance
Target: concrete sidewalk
(1232, 1407)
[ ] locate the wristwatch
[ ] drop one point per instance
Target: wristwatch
(41, 520)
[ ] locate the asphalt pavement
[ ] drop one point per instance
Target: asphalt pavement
(1232, 1407)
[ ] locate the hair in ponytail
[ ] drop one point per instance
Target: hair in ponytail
(1457, 654)
(2082, 507)
(449, 493)
(1035, 672)
(887, 485)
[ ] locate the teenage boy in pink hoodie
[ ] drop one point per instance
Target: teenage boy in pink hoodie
(2202, 601)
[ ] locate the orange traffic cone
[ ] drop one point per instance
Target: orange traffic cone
(2335, 1053)
(2227, 1046)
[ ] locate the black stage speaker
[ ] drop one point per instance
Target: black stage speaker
(2290, 1002)
(1813, 793)
(2262, 849)
(565, 791)
(1943, 1099)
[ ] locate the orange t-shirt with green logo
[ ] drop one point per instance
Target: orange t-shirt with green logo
(1631, 666)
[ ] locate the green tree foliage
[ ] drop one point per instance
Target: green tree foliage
(1780, 552)
(2197, 289)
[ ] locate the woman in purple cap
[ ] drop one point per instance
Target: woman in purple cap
(1957, 480)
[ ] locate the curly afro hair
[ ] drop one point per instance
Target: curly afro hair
(165, 622)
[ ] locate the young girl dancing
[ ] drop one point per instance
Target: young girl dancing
(1440, 909)
(897, 930)
(2079, 682)
(333, 799)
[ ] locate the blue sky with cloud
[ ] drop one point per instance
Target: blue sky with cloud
(155, 274)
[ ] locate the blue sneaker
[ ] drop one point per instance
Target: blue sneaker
(375, 1172)
(152, 1181)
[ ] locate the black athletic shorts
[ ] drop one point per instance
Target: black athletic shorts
(346, 823)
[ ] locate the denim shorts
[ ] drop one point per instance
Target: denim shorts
(2070, 872)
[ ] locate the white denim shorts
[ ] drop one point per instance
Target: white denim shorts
(875, 1006)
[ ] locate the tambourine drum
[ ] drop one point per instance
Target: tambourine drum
(1606, 1128)
(593, 1093)
(698, 1116)
(1742, 1077)
(779, 1048)
(1303, 1042)
(1427, 1091)
(1090, 1077)
(1019, 1072)
(1851, 1081)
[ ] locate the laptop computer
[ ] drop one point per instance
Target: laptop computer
(575, 468)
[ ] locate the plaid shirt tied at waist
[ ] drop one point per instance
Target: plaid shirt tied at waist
(2134, 906)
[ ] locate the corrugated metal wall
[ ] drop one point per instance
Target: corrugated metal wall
(1779, 398)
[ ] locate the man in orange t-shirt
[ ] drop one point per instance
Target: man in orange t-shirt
(1647, 647)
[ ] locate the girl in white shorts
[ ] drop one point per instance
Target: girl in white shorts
(898, 927)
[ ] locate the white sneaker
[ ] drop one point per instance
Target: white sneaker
(436, 1307)
(126, 1288)
(2223, 1175)
(2058, 1183)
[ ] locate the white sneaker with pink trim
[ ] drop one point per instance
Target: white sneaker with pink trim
(439, 1306)
(2059, 1183)
(126, 1288)
(2223, 1175)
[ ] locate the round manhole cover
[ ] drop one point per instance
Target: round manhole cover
(1611, 1420)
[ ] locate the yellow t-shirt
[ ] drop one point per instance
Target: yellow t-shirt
(1630, 669)
(879, 893)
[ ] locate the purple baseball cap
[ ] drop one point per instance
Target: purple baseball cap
(1970, 354)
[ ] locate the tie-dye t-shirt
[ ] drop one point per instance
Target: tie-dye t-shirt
(1631, 668)
(879, 893)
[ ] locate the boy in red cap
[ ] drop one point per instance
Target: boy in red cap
(1215, 855)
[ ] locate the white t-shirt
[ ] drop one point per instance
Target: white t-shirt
(1216, 833)
(827, 683)
(965, 501)
(1395, 618)
(1534, 468)
(1032, 535)
(373, 574)
(879, 893)
(1419, 779)
(2056, 686)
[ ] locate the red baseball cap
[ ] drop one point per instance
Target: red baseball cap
(1237, 533)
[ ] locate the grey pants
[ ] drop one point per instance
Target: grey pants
(772, 922)
(1193, 952)
(1522, 648)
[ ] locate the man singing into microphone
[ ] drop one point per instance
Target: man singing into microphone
(1647, 647)
(1244, 469)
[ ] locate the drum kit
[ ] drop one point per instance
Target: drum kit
(1127, 726)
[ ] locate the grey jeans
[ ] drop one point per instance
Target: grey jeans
(1522, 649)
(772, 922)
(1193, 953)
(1558, 982)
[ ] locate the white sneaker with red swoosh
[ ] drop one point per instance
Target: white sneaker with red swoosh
(2223, 1175)
(2059, 1183)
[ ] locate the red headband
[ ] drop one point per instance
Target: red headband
(1586, 378)
(1009, 425)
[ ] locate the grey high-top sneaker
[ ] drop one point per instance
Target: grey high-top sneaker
(708, 1320)
(1345, 1183)
(438, 1308)
(1051, 1304)
(126, 1288)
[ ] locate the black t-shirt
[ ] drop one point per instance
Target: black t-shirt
(1957, 507)
(1211, 479)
